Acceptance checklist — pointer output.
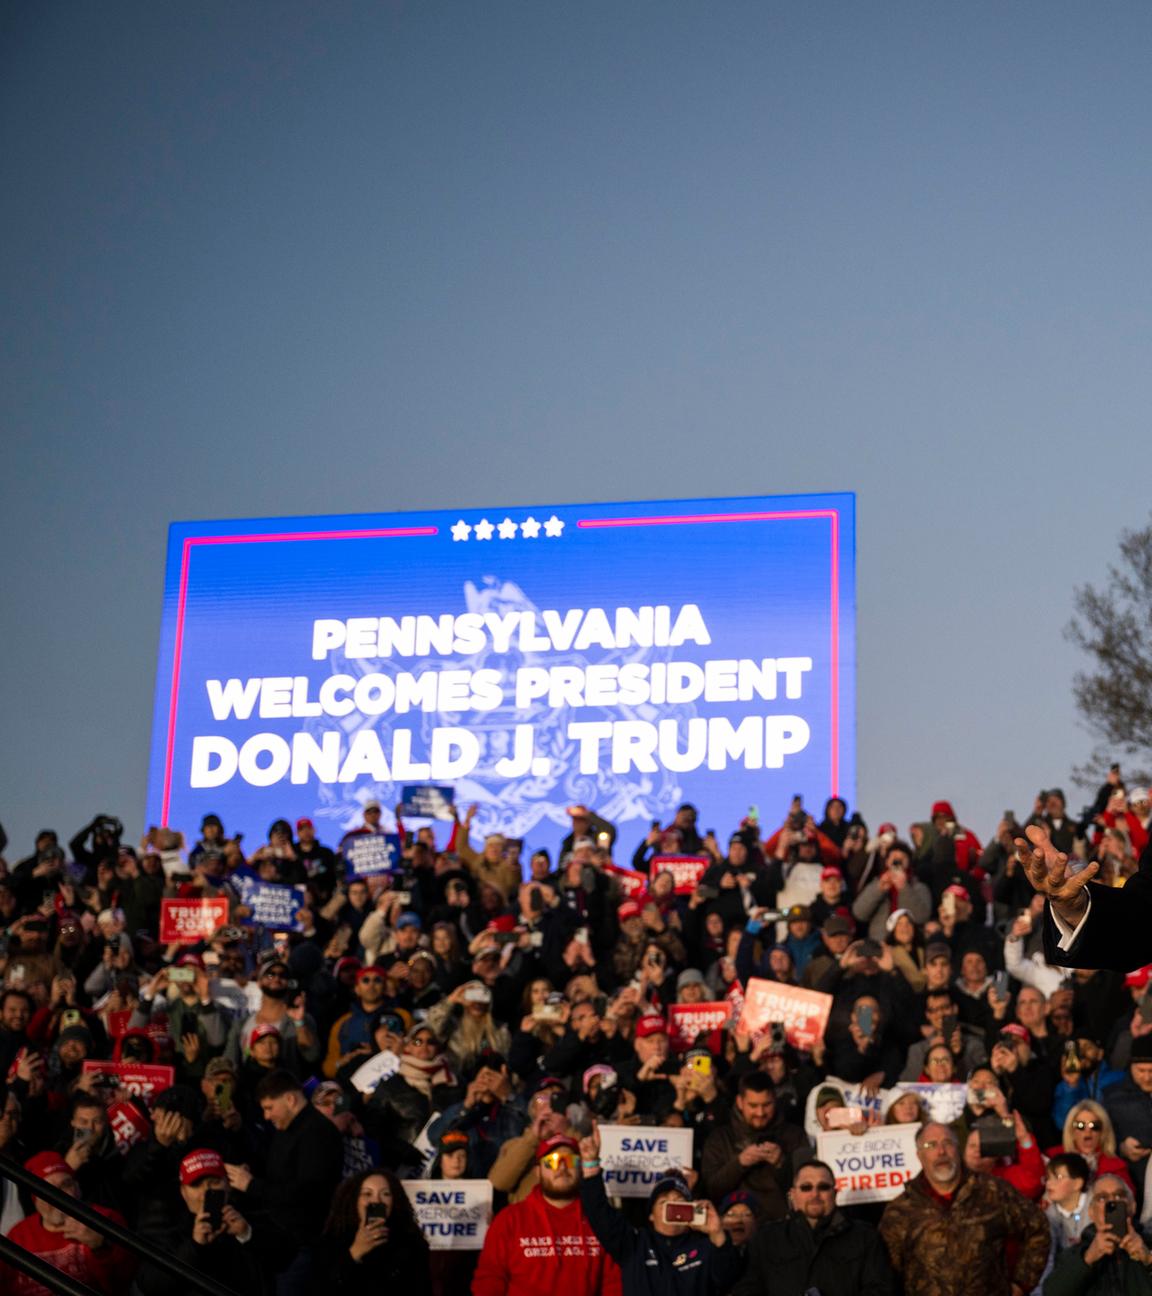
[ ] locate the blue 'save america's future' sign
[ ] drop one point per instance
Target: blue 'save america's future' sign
(627, 656)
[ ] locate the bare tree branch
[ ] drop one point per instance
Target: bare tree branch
(1113, 627)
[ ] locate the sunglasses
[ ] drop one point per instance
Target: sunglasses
(554, 1160)
(821, 1186)
(1086, 1125)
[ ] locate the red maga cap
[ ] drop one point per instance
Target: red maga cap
(202, 1164)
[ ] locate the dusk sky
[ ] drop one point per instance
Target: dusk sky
(263, 259)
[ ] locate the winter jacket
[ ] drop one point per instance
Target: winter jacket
(1105, 1165)
(305, 1162)
(874, 905)
(1025, 1173)
(514, 1170)
(973, 1054)
(840, 1258)
(243, 1266)
(488, 1125)
(536, 1249)
(1095, 1084)
(959, 1249)
(1114, 1275)
(349, 1032)
(108, 1269)
(654, 1265)
(723, 1173)
(1131, 1112)
(401, 1267)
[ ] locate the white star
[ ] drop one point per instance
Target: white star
(507, 529)
(553, 526)
(530, 528)
(484, 529)
(460, 530)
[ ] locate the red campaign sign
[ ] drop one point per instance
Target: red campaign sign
(129, 1126)
(686, 1021)
(118, 1022)
(633, 884)
(187, 922)
(735, 1000)
(804, 1013)
(138, 1078)
(686, 870)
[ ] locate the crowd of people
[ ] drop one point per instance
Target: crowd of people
(257, 1103)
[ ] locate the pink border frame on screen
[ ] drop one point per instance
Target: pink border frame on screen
(192, 542)
(833, 516)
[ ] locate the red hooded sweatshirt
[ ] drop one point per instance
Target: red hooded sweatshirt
(108, 1269)
(533, 1249)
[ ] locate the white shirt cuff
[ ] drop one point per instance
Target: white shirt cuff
(1068, 934)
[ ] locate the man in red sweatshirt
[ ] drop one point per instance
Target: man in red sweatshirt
(544, 1243)
(65, 1243)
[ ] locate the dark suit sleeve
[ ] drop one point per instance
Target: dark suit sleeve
(1117, 931)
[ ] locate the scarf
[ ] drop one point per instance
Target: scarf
(423, 1075)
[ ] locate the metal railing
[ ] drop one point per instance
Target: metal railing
(51, 1277)
(44, 1273)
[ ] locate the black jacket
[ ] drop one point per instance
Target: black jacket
(654, 1265)
(1114, 1275)
(304, 1164)
(241, 1266)
(843, 1258)
(398, 1268)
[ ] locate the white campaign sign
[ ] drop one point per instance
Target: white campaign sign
(943, 1102)
(874, 1105)
(635, 1157)
(454, 1213)
(871, 1167)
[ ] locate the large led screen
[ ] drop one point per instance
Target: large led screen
(629, 657)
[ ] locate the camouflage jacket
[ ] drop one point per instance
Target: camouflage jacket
(988, 1238)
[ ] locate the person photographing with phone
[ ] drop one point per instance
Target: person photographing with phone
(372, 1242)
(1112, 1255)
(212, 1239)
(754, 1150)
(682, 1249)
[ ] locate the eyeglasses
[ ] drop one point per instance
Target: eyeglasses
(1086, 1125)
(930, 1145)
(426, 1042)
(554, 1160)
(821, 1186)
(1107, 1197)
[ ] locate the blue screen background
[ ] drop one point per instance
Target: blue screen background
(764, 588)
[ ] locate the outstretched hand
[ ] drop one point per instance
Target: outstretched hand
(1047, 870)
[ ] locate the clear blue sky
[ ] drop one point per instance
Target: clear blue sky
(293, 257)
